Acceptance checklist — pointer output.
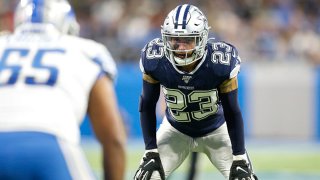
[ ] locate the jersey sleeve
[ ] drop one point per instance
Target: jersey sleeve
(225, 58)
(150, 56)
(234, 63)
(99, 54)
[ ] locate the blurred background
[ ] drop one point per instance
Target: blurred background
(279, 94)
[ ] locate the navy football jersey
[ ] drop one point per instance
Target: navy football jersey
(192, 101)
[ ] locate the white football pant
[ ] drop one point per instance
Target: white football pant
(174, 147)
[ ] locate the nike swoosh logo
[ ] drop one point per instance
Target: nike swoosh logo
(151, 161)
(241, 169)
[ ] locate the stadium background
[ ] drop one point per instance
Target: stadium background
(279, 43)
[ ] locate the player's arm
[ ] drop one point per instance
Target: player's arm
(241, 166)
(147, 108)
(108, 127)
(229, 98)
(148, 100)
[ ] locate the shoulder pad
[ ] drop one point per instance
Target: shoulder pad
(225, 54)
(151, 54)
(98, 53)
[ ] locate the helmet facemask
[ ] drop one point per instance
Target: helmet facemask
(185, 43)
(184, 49)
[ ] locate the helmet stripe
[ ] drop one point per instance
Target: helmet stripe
(177, 17)
(37, 11)
(184, 22)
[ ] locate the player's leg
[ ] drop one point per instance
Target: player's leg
(32, 155)
(217, 146)
(173, 147)
(78, 165)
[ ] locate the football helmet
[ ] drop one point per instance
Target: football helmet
(185, 25)
(56, 12)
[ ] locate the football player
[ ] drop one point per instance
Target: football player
(198, 78)
(49, 80)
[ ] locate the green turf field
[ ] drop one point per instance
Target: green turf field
(271, 160)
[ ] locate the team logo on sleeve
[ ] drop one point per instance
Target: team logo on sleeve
(186, 79)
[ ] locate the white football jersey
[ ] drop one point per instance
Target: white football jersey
(46, 78)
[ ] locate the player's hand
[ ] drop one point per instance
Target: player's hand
(150, 163)
(240, 170)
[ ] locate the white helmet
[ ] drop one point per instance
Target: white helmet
(56, 12)
(185, 21)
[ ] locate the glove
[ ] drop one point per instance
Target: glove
(240, 170)
(150, 163)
